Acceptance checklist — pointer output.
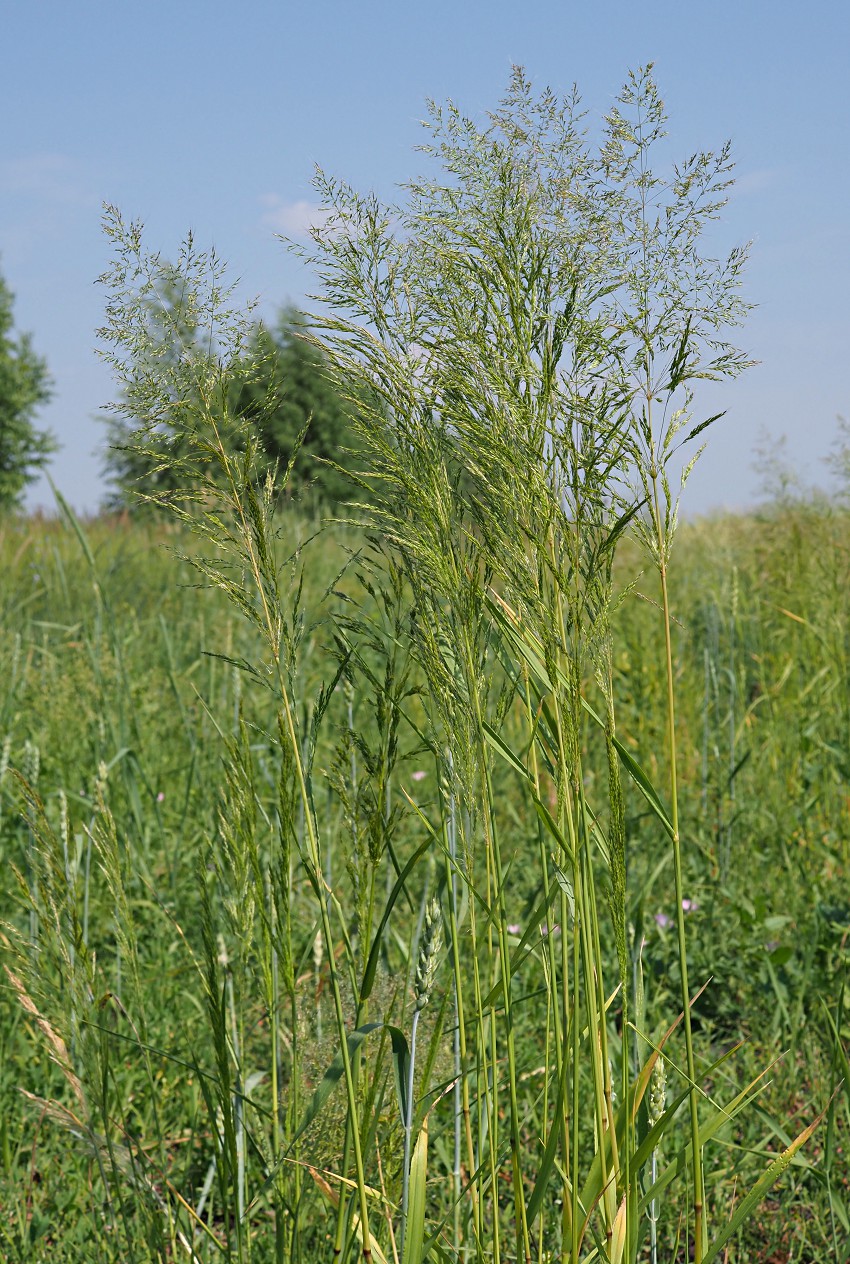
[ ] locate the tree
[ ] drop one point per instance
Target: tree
(300, 413)
(24, 385)
(278, 390)
(149, 449)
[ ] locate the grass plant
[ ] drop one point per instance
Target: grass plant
(246, 812)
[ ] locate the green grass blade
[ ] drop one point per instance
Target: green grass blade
(368, 981)
(401, 1069)
(414, 1237)
(759, 1191)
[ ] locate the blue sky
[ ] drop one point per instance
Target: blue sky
(212, 116)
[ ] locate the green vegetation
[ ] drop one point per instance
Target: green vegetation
(282, 390)
(24, 387)
(301, 415)
(113, 668)
(463, 886)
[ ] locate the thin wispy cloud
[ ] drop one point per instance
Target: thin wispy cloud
(292, 219)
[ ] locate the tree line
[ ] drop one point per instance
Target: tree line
(281, 386)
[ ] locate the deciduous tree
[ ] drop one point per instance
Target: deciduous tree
(24, 385)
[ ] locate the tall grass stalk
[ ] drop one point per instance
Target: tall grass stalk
(546, 442)
(240, 520)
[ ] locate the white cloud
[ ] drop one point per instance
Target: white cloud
(293, 219)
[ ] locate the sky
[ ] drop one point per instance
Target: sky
(213, 116)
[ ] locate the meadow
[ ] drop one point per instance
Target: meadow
(141, 783)
(464, 880)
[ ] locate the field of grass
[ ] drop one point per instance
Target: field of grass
(172, 1083)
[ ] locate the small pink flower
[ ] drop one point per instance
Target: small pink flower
(514, 928)
(160, 797)
(663, 920)
(419, 774)
(690, 906)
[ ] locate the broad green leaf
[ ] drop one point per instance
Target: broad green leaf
(708, 1128)
(414, 1233)
(505, 751)
(401, 1069)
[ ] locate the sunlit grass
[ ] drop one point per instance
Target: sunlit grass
(766, 879)
(435, 887)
